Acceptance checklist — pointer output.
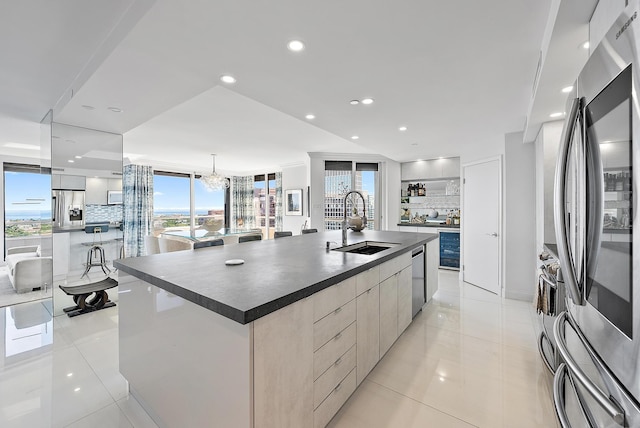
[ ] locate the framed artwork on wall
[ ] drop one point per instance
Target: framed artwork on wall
(293, 202)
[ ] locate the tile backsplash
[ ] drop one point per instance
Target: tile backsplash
(106, 213)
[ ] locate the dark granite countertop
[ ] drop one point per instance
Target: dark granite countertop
(443, 226)
(276, 273)
(67, 229)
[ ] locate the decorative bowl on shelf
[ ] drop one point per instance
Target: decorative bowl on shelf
(433, 214)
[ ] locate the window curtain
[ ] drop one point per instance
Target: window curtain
(279, 201)
(137, 189)
(242, 200)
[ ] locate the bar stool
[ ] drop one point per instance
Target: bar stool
(95, 255)
(305, 231)
(282, 234)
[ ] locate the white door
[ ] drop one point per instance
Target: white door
(481, 222)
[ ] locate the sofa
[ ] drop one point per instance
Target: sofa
(27, 269)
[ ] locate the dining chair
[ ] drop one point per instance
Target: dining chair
(305, 231)
(282, 234)
(208, 243)
(247, 238)
(168, 245)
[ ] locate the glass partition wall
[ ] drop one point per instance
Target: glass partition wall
(86, 188)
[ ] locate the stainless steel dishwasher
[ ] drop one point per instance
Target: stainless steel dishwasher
(418, 279)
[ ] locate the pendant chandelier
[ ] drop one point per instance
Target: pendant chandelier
(214, 181)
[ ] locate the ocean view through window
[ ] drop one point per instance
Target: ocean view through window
(172, 205)
(27, 201)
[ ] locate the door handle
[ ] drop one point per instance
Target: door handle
(566, 261)
(602, 398)
(494, 234)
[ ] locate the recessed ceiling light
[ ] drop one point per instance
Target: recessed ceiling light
(556, 114)
(354, 102)
(295, 46)
(87, 107)
(71, 161)
(77, 389)
(367, 101)
(567, 89)
(354, 137)
(228, 79)
(402, 128)
(310, 116)
(115, 109)
(78, 157)
(22, 146)
(585, 45)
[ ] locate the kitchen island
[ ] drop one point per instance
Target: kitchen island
(280, 340)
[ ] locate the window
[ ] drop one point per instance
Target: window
(27, 203)
(171, 201)
(172, 207)
(209, 207)
(264, 203)
(340, 178)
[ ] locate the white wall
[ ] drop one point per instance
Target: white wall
(295, 177)
(520, 218)
(546, 153)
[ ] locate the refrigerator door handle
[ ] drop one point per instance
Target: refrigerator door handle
(595, 204)
(558, 398)
(603, 399)
(566, 263)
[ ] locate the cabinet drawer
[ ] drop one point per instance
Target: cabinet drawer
(367, 279)
(332, 377)
(324, 357)
(326, 328)
(329, 407)
(394, 266)
(331, 298)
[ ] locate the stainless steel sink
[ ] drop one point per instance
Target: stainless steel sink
(366, 247)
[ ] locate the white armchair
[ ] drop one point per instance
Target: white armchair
(27, 269)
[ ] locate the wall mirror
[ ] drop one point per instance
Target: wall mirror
(87, 211)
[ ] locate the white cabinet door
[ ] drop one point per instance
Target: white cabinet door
(96, 192)
(368, 331)
(55, 181)
(388, 313)
(114, 184)
(433, 258)
(404, 299)
(72, 182)
(450, 167)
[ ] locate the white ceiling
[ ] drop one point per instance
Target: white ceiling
(458, 75)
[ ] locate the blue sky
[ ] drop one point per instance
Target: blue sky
(173, 193)
(18, 187)
(169, 192)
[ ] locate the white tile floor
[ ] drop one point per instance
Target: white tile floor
(470, 359)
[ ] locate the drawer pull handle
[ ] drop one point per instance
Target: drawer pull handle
(337, 336)
(337, 311)
(338, 361)
(337, 388)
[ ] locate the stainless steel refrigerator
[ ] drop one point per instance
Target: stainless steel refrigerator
(68, 208)
(598, 336)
